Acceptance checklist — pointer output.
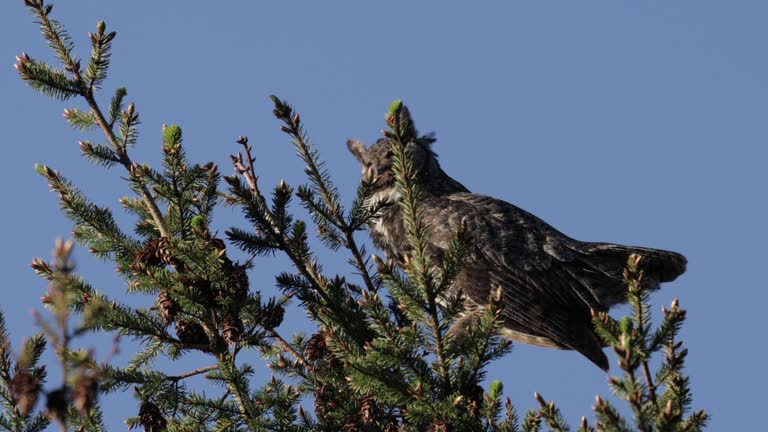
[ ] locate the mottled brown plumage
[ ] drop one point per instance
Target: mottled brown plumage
(549, 280)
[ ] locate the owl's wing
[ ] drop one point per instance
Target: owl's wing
(549, 285)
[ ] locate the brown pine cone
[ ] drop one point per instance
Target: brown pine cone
(217, 243)
(191, 333)
(151, 418)
(25, 389)
(231, 329)
(391, 426)
(324, 402)
(368, 411)
(440, 426)
(157, 252)
(475, 400)
(165, 252)
(316, 347)
(149, 254)
(167, 308)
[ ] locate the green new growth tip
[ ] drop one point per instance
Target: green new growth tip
(395, 106)
(40, 169)
(198, 223)
(171, 135)
(626, 325)
(497, 387)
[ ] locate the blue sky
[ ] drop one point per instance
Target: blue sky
(631, 122)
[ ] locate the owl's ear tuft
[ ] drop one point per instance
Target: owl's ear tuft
(428, 139)
(358, 150)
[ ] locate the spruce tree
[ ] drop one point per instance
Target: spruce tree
(381, 357)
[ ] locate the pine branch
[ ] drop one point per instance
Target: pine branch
(401, 134)
(55, 84)
(58, 39)
(551, 414)
(79, 119)
(328, 212)
(315, 169)
(99, 154)
(635, 344)
(116, 106)
(98, 63)
(41, 77)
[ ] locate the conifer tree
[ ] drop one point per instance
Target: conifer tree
(381, 357)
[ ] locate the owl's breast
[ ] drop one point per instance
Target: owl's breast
(388, 233)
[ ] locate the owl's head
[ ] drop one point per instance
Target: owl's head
(378, 157)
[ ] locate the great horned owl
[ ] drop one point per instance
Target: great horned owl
(550, 282)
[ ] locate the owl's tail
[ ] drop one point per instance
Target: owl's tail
(609, 261)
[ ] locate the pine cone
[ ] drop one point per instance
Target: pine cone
(157, 252)
(217, 243)
(191, 333)
(167, 308)
(231, 329)
(391, 426)
(316, 347)
(149, 255)
(84, 394)
(272, 315)
(368, 411)
(25, 389)
(56, 404)
(151, 418)
(324, 402)
(165, 252)
(440, 426)
(475, 400)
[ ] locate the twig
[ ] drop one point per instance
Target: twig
(649, 382)
(357, 255)
(246, 169)
(193, 373)
(288, 348)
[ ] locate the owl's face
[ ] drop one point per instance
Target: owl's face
(378, 159)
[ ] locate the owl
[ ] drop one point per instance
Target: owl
(550, 282)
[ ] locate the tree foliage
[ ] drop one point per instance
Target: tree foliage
(381, 357)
